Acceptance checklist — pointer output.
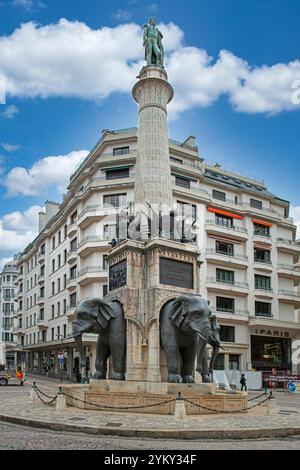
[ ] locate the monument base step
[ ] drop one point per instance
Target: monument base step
(152, 397)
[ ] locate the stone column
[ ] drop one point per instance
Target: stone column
(153, 184)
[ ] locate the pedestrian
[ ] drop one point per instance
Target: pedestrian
(243, 383)
(20, 375)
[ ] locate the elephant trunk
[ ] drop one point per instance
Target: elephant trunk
(82, 361)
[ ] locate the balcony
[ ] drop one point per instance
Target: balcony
(71, 311)
(236, 314)
(91, 244)
(72, 256)
(262, 237)
(41, 257)
(96, 213)
(91, 274)
(263, 265)
(72, 230)
(288, 246)
(288, 270)
(235, 232)
(42, 323)
(226, 259)
(289, 296)
(72, 282)
(41, 279)
(264, 292)
(238, 288)
(19, 331)
(20, 277)
(41, 300)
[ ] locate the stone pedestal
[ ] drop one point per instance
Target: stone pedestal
(156, 271)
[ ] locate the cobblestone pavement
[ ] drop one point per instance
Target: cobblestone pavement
(15, 437)
(14, 401)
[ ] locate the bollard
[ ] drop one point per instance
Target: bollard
(61, 402)
(271, 405)
(33, 394)
(180, 412)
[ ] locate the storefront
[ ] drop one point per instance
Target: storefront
(272, 348)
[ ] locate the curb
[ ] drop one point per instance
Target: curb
(157, 433)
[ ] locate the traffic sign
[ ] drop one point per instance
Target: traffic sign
(291, 387)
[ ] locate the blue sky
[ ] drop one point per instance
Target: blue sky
(61, 91)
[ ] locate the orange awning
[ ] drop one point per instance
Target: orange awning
(261, 222)
(221, 212)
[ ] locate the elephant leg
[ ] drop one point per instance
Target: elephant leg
(202, 362)
(174, 363)
(188, 362)
(103, 353)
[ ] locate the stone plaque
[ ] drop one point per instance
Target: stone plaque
(176, 273)
(118, 275)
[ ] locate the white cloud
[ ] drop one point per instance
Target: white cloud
(295, 213)
(71, 59)
(10, 148)
(29, 5)
(10, 112)
(121, 15)
(49, 172)
(17, 230)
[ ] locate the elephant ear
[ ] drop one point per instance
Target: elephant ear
(179, 310)
(103, 312)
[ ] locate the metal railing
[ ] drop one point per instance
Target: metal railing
(262, 261)
(98, 207)
(91, 270)
(265, 289)
(289, 267)
(227, 227)
(289, 293)
(261, 234)
(93, 239)
(288, 242)
(231, 311)
(243, 285)
(210, 251)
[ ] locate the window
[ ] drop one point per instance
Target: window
(43, 271)
(105, 290)
(65, 281)
(263, 309)
(58, 285)
(183, 182)
(225, 276)
(121, 151)
(59, 237)
(58, 309)
(65, 256)
(53, 265)
(74, 218)
(227, 334)
(42, 313)
(115, 200)
(224, 221)
(65, 231)
(262, 256)
(53, 288)
(73, 273)
(117, 174)
(262, 282)
(73, 245)
(59, 261)
(65, 331)
(73, 300)
(42, 292)
(219, 363)
(65, 306)
(224, 248)
(176, 160)
(256, 204)
(52, 334)
(224, 304)
(52, 311)
(261, 230)
(234, 361)
(110, 232)
(188, 209)
(43, 249)
(105, 264)
(53, 243)
(219, 195)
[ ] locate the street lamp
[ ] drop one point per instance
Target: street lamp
(61, 357)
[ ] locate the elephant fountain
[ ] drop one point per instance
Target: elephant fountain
(185, 327)
(107, 320)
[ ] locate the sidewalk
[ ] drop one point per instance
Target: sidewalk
(20, 410)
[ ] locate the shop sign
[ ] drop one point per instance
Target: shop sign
(281, 378)
(275, 333)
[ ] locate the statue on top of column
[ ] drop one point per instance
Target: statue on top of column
(154, 49)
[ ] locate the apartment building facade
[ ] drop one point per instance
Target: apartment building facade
(245, 237)
(8, 292)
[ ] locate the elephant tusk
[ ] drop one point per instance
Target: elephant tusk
(202, 337)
